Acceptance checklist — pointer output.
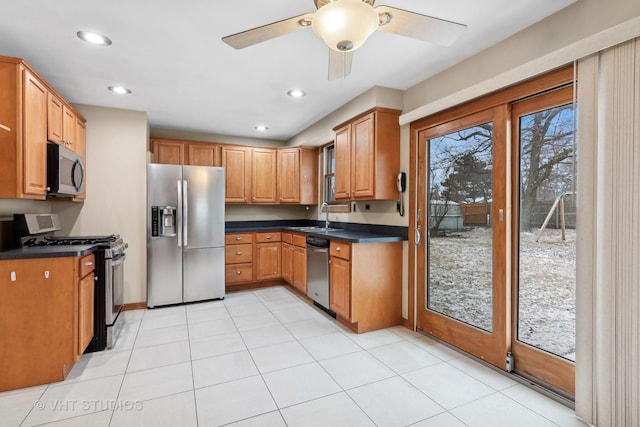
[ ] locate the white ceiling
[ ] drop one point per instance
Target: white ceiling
(170, 54)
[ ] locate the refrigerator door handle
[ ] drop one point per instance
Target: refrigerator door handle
(179, 210)
(185, 215)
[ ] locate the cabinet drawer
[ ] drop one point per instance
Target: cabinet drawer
(86, 265)
(268, 237)
(300, 240)
(235, 254)
(235, 238)
(286, 237)
(340, 250)
(238, 273)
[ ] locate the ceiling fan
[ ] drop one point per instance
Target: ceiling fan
(344, 25)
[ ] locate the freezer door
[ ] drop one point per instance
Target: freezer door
(203, 193)
(164, 255)
(203, 273)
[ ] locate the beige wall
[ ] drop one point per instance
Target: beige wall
(581, 29)
(116, 188)
(10, 206)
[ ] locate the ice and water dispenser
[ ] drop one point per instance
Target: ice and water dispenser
(163, 221)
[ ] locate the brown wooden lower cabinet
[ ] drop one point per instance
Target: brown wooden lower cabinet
(287, 262)
(299, 261)
(340, 291)
(365, 279)
(86, 291)
(46, 313)
(366, 284)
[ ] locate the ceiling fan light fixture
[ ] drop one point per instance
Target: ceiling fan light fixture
(344, 25)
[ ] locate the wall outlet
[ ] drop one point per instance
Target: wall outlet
(367, 207)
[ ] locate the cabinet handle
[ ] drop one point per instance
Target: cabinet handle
(238, 238)
(238, 253)
(95, 278)
(338, 249)
(269, 236)
(88, 263)
(238, 272)
(46, 274)
(254, 199)
(7, 128)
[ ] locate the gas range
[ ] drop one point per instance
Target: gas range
(33, 230)
(113, 244)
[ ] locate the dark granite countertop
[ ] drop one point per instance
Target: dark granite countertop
(346, 232)
(47, 252)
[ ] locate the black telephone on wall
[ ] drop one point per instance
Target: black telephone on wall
(402, 182)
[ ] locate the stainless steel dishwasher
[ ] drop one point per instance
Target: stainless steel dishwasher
(318, 272)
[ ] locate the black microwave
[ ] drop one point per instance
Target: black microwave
(65, 172)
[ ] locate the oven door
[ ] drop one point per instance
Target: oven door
(114, 288)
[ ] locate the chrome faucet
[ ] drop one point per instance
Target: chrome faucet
(325, 206)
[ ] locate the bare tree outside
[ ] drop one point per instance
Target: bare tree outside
(547, 261)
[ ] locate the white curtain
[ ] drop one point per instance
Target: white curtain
(608, 263)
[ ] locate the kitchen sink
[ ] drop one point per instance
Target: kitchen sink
(315, 229)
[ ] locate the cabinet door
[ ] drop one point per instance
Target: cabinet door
(81, 139)
(204, 155)
(35, 137)
(237, 169)
(68, 128)
(268, 261)
(300, 268)
(340, 289)
(54, 118)
(264, 175)
(289, 175)
(287, 263)
(168, 152)
(85, 312)
(37, 317)
(343, 160)
(362, 157)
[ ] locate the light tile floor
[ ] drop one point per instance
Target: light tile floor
(267, 358)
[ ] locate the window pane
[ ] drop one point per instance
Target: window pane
(460, 235)
(547, 252)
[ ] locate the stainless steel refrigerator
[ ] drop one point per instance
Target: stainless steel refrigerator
(185, 234)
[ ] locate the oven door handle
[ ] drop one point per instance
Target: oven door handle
(118, 261)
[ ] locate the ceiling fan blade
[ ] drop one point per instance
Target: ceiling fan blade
(339, 64)
(417, 26)
(267, 32)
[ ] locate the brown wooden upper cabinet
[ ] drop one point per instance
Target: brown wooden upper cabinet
(237, 164)
(297, 175)
(203, 154)
(264, 175)
(177, 152)
(23, 131)
(367, 156)
(54, 118)
(168, 151)
(261, 175)
(62, 124)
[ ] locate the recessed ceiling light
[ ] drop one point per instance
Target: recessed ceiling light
(119, 90)
(296, 93)
(261, 128)
(94, 38)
